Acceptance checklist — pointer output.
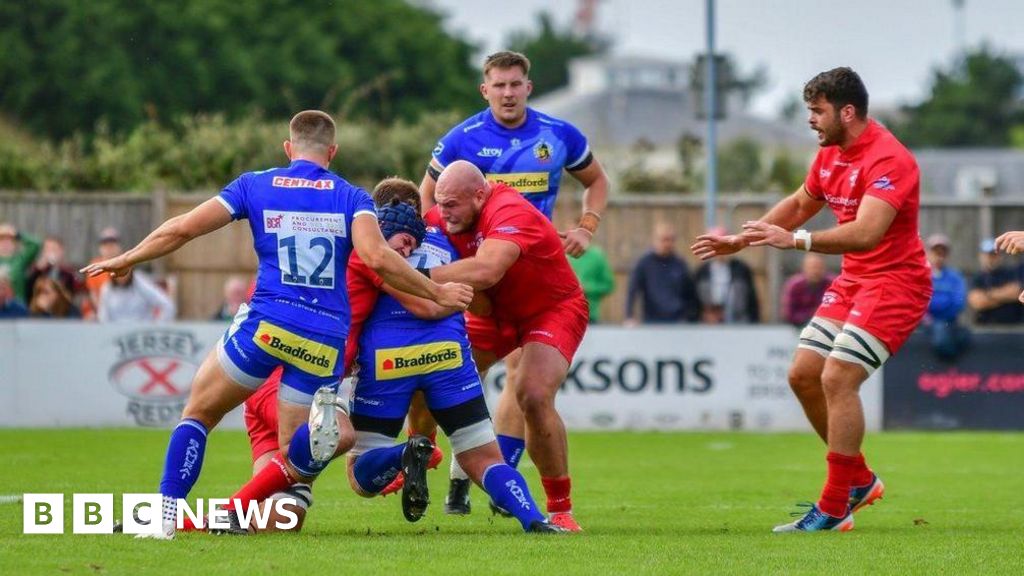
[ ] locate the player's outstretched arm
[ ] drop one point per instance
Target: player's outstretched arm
(168, 237)
(790, 212)
(487, 268)
(374, 251)
(863, 233)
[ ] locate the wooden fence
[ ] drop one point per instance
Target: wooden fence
(198, 271)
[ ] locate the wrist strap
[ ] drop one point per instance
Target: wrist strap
(590, 221)
(805, 236)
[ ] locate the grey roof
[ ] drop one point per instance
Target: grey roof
(971, 172)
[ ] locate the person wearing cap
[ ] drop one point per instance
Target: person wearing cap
(1012, 243)
(995, 289)
(17, 252)
(949, 297)
(108, 246)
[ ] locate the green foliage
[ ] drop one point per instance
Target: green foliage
(977, 103)
(550, 50)
(739, 166)
(206, 152)
(68, 65)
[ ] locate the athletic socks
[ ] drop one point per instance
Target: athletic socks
(508, 490)
(512, 449)
(835, 497)
(375, 469)
(557, 490)
(184, 458)
(863, 475)
(300, 455)
(270, 480)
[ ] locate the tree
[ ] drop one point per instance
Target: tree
(550, 50)
(68, 65)
(976, 103)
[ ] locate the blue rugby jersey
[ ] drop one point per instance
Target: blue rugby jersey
(529, 158)
(435, 250)
(301, 221)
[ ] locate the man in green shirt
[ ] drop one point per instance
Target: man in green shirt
(17, 251)
(595, 274)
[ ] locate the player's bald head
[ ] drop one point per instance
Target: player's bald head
(460, 178)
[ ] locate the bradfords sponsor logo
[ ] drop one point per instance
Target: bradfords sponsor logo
(154, 370)
(285, 182)
(307, 355)
(524, 182)
(395, 363)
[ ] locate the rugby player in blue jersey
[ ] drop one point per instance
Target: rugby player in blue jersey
(409, 344)
(516, 145)
(305, 221)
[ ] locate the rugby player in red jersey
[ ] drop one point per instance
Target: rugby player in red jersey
(871, 183)
(509, 250)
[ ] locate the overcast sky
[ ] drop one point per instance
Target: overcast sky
(893, 44)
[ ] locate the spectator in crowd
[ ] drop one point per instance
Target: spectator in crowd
(17, 251)
(993, 295)
(596, 277)
(803, 292)
(109, 246)
(725, 289)
(661, 279)
(51, 299)
(134, 297)
(51, 262)
(236, 291)
(10, 306)
(949, 297)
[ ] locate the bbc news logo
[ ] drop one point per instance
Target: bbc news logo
(141, 514)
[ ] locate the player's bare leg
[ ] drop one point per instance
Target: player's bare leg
(541, 372)
(508, 417)
(841, 383)
(805, 380)
(213, 395)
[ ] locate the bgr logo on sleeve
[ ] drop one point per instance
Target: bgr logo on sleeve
(393, 363)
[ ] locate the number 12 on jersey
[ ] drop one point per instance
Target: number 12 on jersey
(305, 246)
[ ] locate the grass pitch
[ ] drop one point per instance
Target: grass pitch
(651, 503)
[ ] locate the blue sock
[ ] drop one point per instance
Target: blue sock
(508, 489)
(512, 449)
(301, 455)
(375, 469)
(184, 458)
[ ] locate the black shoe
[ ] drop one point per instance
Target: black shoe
(234, 528)
(541, 527)
(498, 510)
(457, 501)
(415, 495)
(118, 528)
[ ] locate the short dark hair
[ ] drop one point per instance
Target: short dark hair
(395, 188)
(312, 130)
(507, 59)
(839, 86)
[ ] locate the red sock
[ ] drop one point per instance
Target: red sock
(863, 475)
(272, 479)
(557, 490)
(835, 497)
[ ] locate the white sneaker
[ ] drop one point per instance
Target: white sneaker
(323, 424)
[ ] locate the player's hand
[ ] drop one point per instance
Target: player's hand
(576, 241)
(116, 266)
(454, 295)
(1011, 242)
(758, 233)
(1021, 297)
(708, 246)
